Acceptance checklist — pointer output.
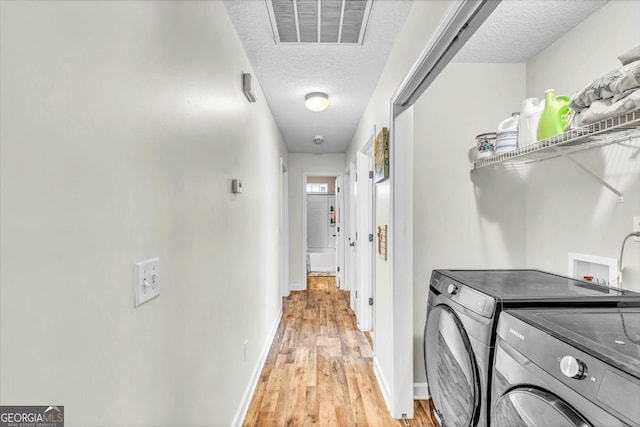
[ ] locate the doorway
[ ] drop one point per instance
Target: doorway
(360, 236)
(321, 225)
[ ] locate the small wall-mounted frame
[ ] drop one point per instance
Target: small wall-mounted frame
(382, 241)
(236, 186)
(381, 155)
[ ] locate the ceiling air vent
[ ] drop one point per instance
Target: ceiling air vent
(319, 21)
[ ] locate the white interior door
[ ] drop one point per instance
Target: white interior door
(339, 234)
(365, 242)
(370, 277)
(351, 237)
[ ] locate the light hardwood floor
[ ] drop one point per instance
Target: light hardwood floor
(319, 369)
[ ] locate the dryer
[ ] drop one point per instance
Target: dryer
(574, 368)
(462, 316)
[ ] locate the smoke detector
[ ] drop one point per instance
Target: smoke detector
(318, 139)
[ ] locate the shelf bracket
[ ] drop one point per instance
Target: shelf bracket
(594, 176)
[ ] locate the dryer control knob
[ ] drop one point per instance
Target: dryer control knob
(572, 367)
(452, 289)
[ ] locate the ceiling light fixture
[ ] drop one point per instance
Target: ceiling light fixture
(316, 101)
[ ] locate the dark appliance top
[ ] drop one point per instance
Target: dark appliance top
(520, 288)
(609, 334)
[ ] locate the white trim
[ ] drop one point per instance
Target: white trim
(364, 247)
(401, 259)
(255, 376)
(370, 152)
(458, 24)
(382, 383)
(421, 391)
(347, 282)
(340, 246)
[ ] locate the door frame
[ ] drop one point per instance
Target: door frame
(349, 234)
(340, 248)
(365, 224)
(459, 23)
(306, 175)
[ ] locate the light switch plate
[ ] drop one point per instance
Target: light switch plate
(146, 281)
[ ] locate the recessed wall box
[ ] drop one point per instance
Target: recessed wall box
(236, 186)
(593, 268)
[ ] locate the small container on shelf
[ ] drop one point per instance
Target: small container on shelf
(486, 143)
(507, 135)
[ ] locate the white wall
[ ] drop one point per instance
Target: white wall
(421, 22)
(122, 125)
(462, 219)
(567, 211)
(299, 164)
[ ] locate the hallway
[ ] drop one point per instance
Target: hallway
(319, 370)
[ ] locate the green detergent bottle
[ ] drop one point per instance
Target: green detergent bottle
(554, 116)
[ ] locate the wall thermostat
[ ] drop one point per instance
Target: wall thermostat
(236, 186)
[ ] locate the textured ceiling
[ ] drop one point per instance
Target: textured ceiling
(516, 31)
(347, 73)
(519, 29)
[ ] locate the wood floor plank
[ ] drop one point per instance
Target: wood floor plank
(319, 370)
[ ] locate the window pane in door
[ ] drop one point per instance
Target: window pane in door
(318, 188)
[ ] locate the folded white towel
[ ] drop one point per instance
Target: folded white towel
(606, 108)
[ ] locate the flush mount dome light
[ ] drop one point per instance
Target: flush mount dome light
(316, 101)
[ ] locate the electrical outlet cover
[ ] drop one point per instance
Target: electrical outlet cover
(146, 281)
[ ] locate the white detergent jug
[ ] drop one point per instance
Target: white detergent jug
(507, 135)
(530, 116)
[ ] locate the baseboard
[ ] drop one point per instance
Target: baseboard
(298, 287)
(255, 376)
(421, 391)
(382, 383)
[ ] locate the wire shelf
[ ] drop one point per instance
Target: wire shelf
(597, 134)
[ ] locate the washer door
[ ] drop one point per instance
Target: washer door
(452, 373)
(530, 407)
